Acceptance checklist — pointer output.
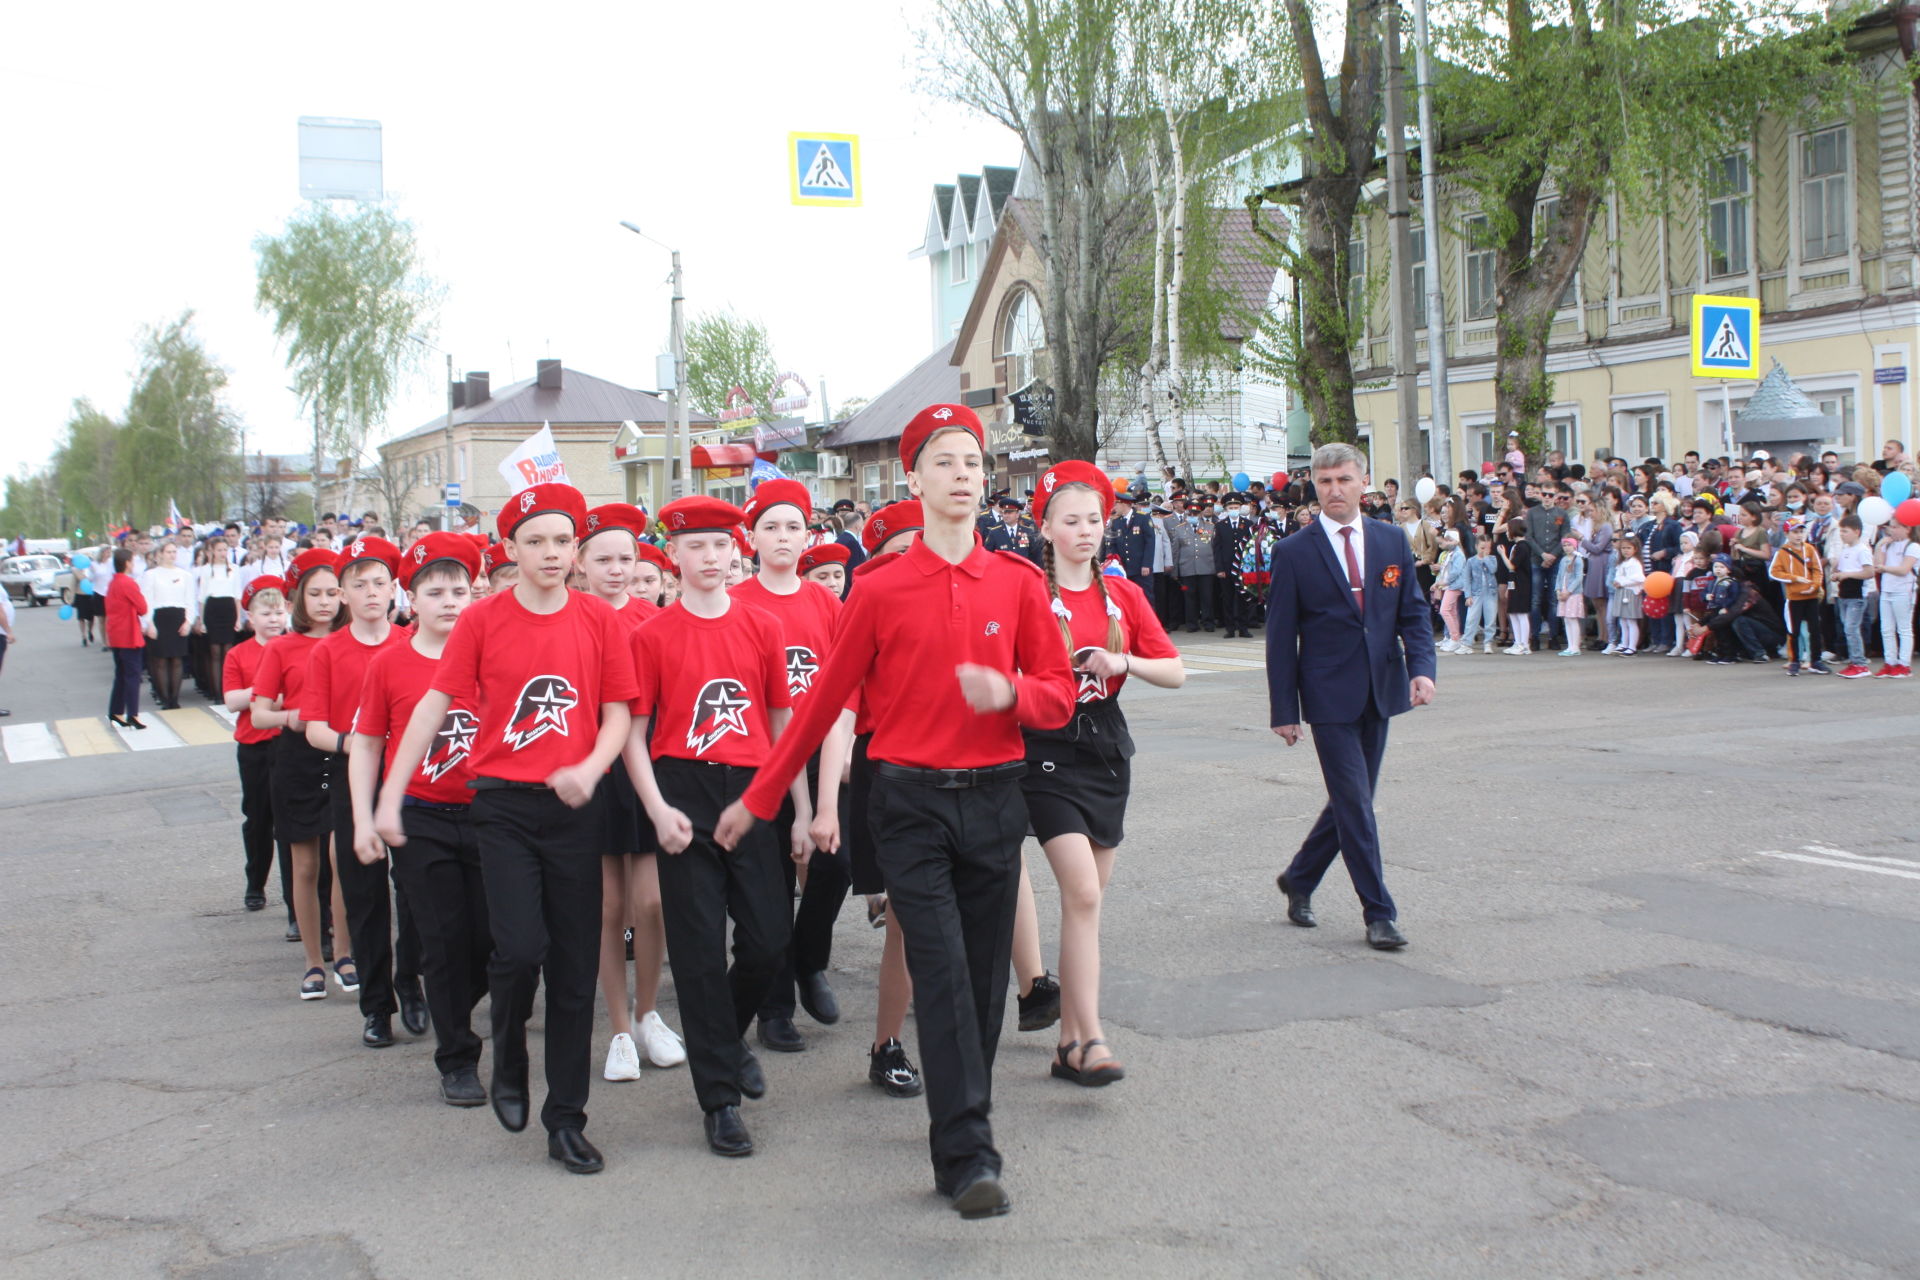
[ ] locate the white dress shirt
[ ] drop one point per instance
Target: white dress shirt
(1359, 527)
(168, 588)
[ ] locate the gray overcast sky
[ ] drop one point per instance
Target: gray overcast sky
(150, 144)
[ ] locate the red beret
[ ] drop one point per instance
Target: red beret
(773, 493)
(309, 560)
(377, 550)
(615, 515)
(826, 553)
(1072, 471)
(701, 514)
(933, 419)
(434, 548)
(493, 557)
(552, 499)
(655, 555)
(265, 582)
(895, 517)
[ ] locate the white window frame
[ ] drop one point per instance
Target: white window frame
(870, 490)
(1627, 412)
(1738, 207)
(1417, 235)
(1569, 303)
(1469, 251)
(1570, 414)
(1021, 365)
(957, 269)
(1835, 243)
(1847, 262)
(1357, 282)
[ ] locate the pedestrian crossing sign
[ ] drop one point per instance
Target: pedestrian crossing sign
(824, 168)
(1726, 337)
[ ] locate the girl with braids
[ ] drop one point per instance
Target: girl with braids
(1078, 777)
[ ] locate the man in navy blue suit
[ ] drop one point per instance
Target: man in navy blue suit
(1349, 644)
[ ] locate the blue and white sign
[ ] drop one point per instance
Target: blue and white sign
(824, 168)
(1726, 337)
(453, 495)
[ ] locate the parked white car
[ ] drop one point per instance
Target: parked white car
(37, 580)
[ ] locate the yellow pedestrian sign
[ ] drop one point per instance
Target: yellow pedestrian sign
(824, 168)
(1726, 337)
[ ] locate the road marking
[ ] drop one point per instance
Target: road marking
(1827, 851)
(155, 737)
(25, 742)
(1844, 866)
(89, 737)
(196, 727)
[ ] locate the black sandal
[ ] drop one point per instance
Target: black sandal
(1061, 1068)
(1100, 1073)
(314, 985)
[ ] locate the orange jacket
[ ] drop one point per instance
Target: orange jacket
(1798, 570)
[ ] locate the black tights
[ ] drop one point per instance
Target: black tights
(217, 672)
(166, 680)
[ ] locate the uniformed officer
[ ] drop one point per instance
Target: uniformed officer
(1231, 534)
(1013, 533)
(1192, 539)
(1130, 537)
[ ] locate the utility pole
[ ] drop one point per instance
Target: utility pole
(446, 512)
(1437, 393)
(1413, 459)
(682, 418)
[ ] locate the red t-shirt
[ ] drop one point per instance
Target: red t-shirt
(710, 684)
(806, 620)
(634, 614)
(283, 671)
(335, 673)
(1140, 632)
(537, 681)
(396, 678)
(242, 665)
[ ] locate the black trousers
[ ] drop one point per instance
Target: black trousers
(700, 889)
(952, 866)
(829, 875)
(1166, 599)
(438, 871)
(541, 864)
(1810, 614)
(1236, 606)
(1196, 591)
(1350, 753)
(124, 699)
(370, 911)
(256, 818)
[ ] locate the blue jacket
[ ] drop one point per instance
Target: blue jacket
(1480, 580)
(1329, 662)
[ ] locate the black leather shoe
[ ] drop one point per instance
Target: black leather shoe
(752, 1081)
(293, 932)
(509, 1102)
(727, 1133)
(461, 1087)
(1299, 905)
(817, 998)
(378, 1033)
(255, 901)
(980, 1195)
(575, 1154)
(780, 1035)
(413, 1006)
(1382, 935)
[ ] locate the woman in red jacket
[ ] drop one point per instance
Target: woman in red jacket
(125, 607)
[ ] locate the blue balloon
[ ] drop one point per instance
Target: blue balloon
(66, 613)
(86, 586)
(1241, 480)
(1896, 488)
(82, 560)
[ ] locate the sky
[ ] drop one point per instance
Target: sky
(151, 145)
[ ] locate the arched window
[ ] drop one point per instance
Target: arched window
(1023, 335)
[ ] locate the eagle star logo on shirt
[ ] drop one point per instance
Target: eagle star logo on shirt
(802, 666)
(720, 709)
(450, 745)
(527, 500)
(541, 709)
(1091, 688)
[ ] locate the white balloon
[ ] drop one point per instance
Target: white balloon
(1874, 511)
(1424, 488)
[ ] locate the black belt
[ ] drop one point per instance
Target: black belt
(409, 802)
(506, 784)
(951, 779)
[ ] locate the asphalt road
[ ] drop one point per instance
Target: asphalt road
(1660, 1016)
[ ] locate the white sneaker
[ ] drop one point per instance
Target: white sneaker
(1612, 648)
(663, 1046)
(623, 1060)
(1488, 648)
(1513, 650)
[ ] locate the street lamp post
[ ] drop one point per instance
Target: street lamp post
(679, 440)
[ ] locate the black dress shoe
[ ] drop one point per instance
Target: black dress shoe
(378, 1033)
(752, 1081)
(817, 998)
(293, 932)
(575, 1154)
(980, 1195)
(1299, 905)
(780, 1035)
(461, 1087)
(727, 1133)
(509, 1102)
(1382, 935)
(413, 1006)
(255, 901)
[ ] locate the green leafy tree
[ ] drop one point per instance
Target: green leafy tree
(83, 468)
(180, 442)
(729, 357)
(32, 507)
(349, 299)
(1567, 101)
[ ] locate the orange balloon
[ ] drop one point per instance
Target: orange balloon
(1659, 585)
(1120, 484)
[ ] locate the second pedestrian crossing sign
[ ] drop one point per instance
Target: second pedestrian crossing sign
(824, 168)
(1726, 337)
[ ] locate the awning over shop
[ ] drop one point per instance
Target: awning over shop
(728, 455)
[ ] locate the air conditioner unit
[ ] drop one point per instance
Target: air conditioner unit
(832, 465)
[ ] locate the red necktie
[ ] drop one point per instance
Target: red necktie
(1353, 571)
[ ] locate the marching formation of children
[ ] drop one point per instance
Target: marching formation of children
(586, 751)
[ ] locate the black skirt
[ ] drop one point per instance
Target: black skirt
(221, 620)
(91, 605)
(1078, 778)
(300, 786)
(625, 825)
(167, 642)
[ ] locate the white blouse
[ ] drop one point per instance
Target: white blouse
(167, 588)
(218, 578)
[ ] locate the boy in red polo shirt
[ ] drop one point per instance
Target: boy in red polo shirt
(436, 862)
(548, 674)
(713, 689)
(389, 981)
(264, 601)
(958, 651)
(806, 613)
